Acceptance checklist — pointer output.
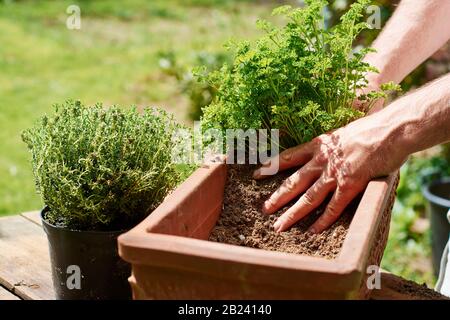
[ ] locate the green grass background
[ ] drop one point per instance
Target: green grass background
(114, 59)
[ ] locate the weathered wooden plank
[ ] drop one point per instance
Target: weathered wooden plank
(25, 267)
(396, 288)
(33, 216)
(24, 259)
(6, 295)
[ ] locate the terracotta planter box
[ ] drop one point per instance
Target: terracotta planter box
(172, 259)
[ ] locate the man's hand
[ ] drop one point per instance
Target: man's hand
(341, 162)
(344, 161)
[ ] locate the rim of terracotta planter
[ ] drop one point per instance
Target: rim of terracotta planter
(352, 258)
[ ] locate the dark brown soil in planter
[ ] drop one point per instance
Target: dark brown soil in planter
(414, 290)
(242, 222)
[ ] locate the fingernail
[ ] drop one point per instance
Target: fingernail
(286, 156)
(266, 207)
(256, 173)
(277, 226)
(312, 230)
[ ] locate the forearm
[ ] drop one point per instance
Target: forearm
(417, 29)
(418, 120)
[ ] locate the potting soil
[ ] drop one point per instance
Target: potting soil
(243, 223)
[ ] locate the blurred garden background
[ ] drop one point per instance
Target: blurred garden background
(141, 52)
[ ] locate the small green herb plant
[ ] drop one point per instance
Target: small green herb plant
(102, 169)
(300, 78)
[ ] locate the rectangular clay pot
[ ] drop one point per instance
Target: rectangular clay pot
(172, 259)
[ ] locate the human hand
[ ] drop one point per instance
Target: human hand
(341, 162)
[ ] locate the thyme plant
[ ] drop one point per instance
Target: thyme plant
(102, 169)
(301, 78)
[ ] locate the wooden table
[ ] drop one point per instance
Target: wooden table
(25, 272)
(24, 260)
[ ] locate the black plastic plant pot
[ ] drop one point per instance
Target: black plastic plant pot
(438, 195)
(86, 264)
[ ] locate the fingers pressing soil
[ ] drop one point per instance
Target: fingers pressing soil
(242, 222)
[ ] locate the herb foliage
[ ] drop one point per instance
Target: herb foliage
(102, 169)
(299, 78)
